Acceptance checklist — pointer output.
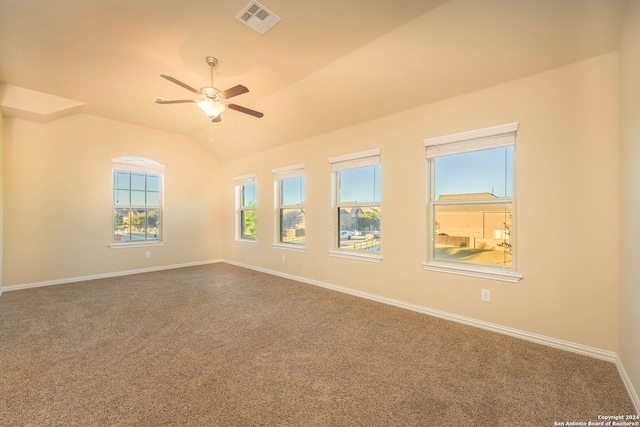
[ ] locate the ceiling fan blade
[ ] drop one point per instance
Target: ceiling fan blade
(234, 91)
(216, 119)
(179, 83)
(174, 101)
(245, 110)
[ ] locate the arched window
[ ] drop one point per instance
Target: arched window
(137, 201)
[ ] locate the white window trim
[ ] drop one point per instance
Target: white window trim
(289, 247)
(278, 175)
(473, 271)
(338, 163)
(355, 160)
(472, 134)
(140, 164)
(239, 182)
(288, 171)
(358, 256)
(463, 142)
(136, 244)
(137, 164)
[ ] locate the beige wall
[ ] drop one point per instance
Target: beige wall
(567, 157)
(55, 184)
(1, 202)
(629, 312)
(57, 198)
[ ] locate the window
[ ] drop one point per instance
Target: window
(247, 208)
(471, 203)
(356, 181)
(290, 207)
(137, 201)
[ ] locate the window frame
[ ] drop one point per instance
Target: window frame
(338, 164)
(466, 142)
(137, 165)
(240, 182)
(279, 175)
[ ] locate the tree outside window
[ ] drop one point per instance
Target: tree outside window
(247, 201)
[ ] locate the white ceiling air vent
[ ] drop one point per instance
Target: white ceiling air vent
(258, 17)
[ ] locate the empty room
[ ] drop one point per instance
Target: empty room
(231, 213)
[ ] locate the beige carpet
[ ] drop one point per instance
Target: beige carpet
(219, 345)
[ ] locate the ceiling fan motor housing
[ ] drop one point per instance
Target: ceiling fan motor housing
(209, 91)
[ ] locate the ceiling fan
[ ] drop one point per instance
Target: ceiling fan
(212, 101)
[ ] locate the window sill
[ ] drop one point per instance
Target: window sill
(485, 273)
(286, 247)
(357, 256)
(136, 244)
(247, 242)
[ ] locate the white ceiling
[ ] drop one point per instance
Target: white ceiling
(324, 66)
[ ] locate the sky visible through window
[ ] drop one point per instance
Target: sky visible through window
(249, 195)
(292, 191)
(361, 185)
(486, 171)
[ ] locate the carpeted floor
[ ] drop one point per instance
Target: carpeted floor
(219, 345)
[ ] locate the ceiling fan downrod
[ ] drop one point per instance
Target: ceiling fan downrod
(212, 63)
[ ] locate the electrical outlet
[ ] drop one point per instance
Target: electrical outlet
(148, 254)
(485, 295)
(283, 259)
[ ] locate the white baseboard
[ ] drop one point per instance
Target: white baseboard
(104, 275)
(609, 356)
(585, 350)
(629, 386)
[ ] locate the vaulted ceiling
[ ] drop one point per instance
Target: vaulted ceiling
(324, 66)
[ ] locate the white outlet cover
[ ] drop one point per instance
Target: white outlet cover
(485, 295)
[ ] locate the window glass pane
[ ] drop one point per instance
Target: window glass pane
(121, 230)
(153, 198)
(121, 180)
(359, 228)
(153, 224)
(292, 191)
(121, 197)
(153, 182)
(137, 181)
(487, 172)
(133, 192)
(249, 195)
(248, 224)
(473, 232)
(138, 223)
(360, 185)
(292, 226)
(137, 198)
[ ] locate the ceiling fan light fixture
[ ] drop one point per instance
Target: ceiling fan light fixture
(211, 108)
(209, 90)
(213, 101)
